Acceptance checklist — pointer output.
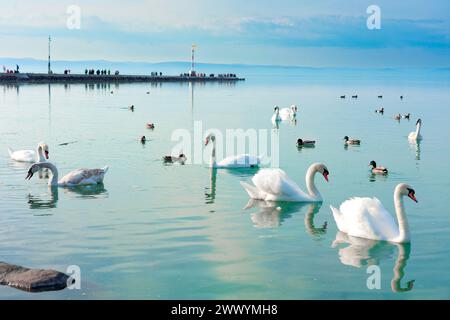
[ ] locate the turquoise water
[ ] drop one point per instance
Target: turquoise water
(156, 231)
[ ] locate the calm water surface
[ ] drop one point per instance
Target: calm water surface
(157, 231)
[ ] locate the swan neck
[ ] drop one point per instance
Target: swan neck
(40, 155)
(403, 225)
(53, 180)
(310, 185)
(418, 129)
(213, 154)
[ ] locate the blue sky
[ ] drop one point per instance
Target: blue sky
(414, 33)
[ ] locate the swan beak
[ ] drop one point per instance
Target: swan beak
(413, 197)
(325, 175)
(29, 175)
(206, 142)
(46, 154)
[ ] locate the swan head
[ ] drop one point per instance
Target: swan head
(320, 167)
(33, 169)
(373, 164)
(406, 190)
(276, 109)
(419, 121)
(210, 137)
(44, 147)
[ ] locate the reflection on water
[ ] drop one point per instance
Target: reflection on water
(47, 201)
(273, 214)
(377, 177)
(210, 191)
(50, 199)
(362, 252)
(415, 146)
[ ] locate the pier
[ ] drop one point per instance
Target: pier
(113, 78)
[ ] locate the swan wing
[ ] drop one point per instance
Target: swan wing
(23, 155)
(83, 177)
(278, 186)
(240, 161)
(366, 218)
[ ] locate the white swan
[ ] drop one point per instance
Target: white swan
(275, 185)
(367, 218)
(77, 177)
(239, 161)
(40, 155)
(288, 113)
(415, 135)
(276, 115)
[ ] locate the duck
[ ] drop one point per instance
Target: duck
(342, 97)
(131, 108)
(150, 125)
(76, 177)
(305, 143)
(40, 155)
(377, 170)
(276, 115)
(288, 113)
(172, 159)
(380, 110)
(273, 184)
(415, 135)
(406, 116)
(367, 217)
(348, 141)
(355, 96)
(380, 97)
(401, 97)
(398, 117)
(239, 161)
(143, 139)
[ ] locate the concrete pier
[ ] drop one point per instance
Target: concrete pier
(86, 78)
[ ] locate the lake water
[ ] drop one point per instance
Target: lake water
(156, 231)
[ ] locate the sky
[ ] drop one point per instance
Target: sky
(321, 33)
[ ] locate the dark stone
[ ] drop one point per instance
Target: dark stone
(32, 280)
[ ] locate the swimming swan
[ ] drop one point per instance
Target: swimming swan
(275, 185)
(40, 155)
(77, 177)
(367, 218)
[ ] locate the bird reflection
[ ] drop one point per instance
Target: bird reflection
(416, 147)
(362, 252)
(273, 214)
(47, 201)
(210, 191)
(377, 177)
(50, 200)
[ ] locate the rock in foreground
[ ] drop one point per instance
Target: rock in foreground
(33, 280)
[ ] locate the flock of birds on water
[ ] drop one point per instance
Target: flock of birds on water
(361, 217)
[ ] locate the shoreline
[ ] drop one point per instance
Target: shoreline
(84, 78)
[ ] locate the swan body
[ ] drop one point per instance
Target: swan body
(348, 141)
(276, 115)
(239, 161)
(275, 185)
(415, 135)
(377, 170)
(367, 217)
(288, 113)
(76, 177)
(40, 155)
